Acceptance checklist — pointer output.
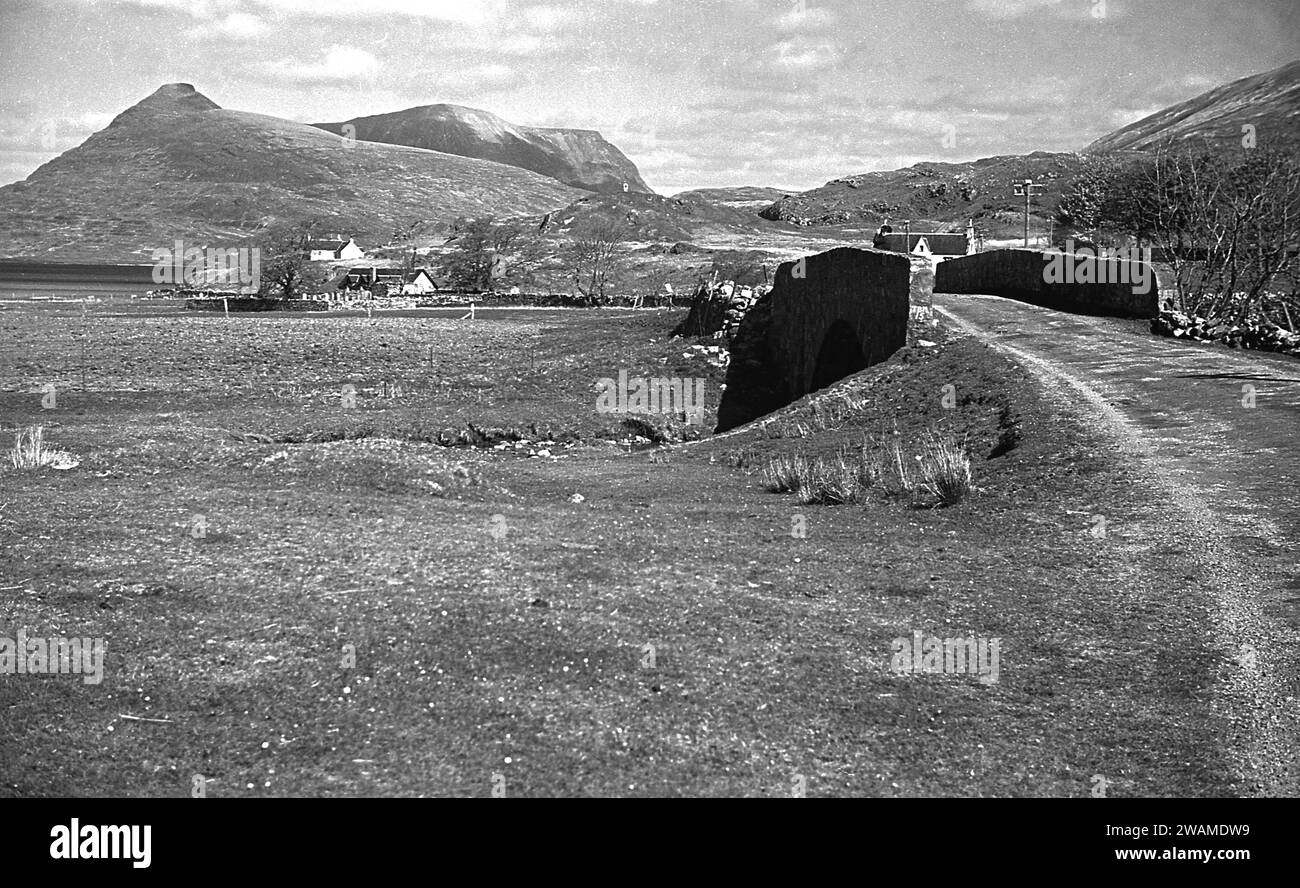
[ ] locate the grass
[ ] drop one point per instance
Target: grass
(499, 626)
(945, 470)
(31, 452)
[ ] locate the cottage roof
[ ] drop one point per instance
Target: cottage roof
(940, 243)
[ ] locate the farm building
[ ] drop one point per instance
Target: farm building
(419, 283)
(332, 249)
(365, 277)
(933, 245)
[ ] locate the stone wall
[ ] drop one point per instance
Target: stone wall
(827, 316)
(717, 309)
(246, 304)
(1050, 280)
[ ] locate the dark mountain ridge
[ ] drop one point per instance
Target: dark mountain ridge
(576, 157)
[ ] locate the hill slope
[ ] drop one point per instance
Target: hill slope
(176, 165)
(945, 195)
(581, 158)
(935, 195)
(1269, 101)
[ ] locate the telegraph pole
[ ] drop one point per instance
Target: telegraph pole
(1028, 189)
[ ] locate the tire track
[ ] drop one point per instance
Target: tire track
(1256, 690)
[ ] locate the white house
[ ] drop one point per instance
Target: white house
(935, 246)
(333, 249)
(419, 283)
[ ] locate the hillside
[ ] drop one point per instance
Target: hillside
(176, 165)
(580, 158)
(737, 197)
(1270, 102)
(653, 217)
(945, 195)
(935, 194)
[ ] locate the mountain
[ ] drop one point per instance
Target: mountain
(944, 195)
(738, 196)
(580, 158)
(176, 165)
(656, 218)
(1270, 102)
(935, 195)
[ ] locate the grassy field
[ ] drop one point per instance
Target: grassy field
(301, 597)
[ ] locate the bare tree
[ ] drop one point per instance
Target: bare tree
(595, 259)
(286, 271)
(480, 253)
(1224, 221)
(407, 234)
(1227, 223)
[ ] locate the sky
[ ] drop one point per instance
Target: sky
(782, 93)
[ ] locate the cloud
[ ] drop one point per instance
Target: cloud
(486, 77)
(38, 133)
(802, 17)
(1004, 9)
(340, 64)
(802, 54)
(469, 12)
(234, 26)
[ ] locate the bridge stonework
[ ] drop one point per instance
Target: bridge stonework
(1022, 275)
(828, 316)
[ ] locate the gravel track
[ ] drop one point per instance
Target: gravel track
(1226, 478)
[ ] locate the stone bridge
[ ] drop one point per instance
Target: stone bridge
(1080, 283)
(828, 316)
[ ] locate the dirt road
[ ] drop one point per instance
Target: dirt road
(1218, 432)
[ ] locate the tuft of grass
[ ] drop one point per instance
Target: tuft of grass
(945, 469)
(940, 473)
(820, 481)
(831, 483)
(31, 452)
(785, 473)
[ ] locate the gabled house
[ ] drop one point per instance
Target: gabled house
(933, 245)
(332, 249)
(419, 282)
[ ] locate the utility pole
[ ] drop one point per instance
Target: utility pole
(907, 237)
(1028, 189)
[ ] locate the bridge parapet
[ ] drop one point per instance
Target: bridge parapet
(828, 316)
(1076, 282)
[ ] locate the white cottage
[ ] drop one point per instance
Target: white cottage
(333, 249)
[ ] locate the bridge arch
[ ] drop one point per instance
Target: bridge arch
(840, 355)
(828, 316)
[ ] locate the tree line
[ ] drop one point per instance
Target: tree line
(481, 255)
(1224, 222)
